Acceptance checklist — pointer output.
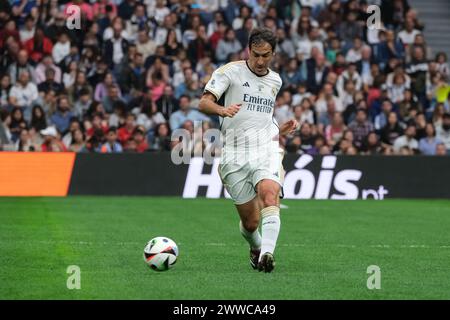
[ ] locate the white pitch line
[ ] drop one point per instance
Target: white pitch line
(223, 244)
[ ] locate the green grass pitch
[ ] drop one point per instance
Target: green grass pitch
(323, 250)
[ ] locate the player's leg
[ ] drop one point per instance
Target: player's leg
(235, 180)
(268, 193)
(248, 225)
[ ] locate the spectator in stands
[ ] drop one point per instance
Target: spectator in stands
(5, 88)
(112, 97)
(148, 115)
(61, 49)
(335, 130)
(21, 64)
(428, 144)
(38, 46)
(326, 118)
(418, 70)
(24, 142)
(327, 94)
(408, 33)
(441, 150)
(50, 83)
(5, 133)
(38, 118)
(350, 74)
(52, 142)
(82, 104)
(162, 139)
(24, 92)
(27, 31)
(227, 46)
(78, 141)
(421, 124)
(172, 46)
(443, 131)
(407, 140)
(317, 72)
(43, 66)
(167, 104)
(111, 145)
(360, 127)
(101, 89)
(381, 119)
(292, 75)
(200, 46)
(442, 64)
(126, 132)
(371, 145)
(63, 114)
(145, 45)
(140, 139)
(350, 29)
(307, 137)
(185, 113)
(116, 45)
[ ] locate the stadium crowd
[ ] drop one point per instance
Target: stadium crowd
(135, 71)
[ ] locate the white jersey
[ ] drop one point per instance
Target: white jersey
(252, 127)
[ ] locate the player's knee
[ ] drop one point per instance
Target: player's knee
(269, 198)
(250, 224)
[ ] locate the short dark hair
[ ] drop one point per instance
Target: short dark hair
(259, 35)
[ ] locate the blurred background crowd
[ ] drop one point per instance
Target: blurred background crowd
(136, 70)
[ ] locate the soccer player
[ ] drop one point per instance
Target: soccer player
(250, 166)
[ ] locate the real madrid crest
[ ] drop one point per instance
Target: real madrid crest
(274, 91)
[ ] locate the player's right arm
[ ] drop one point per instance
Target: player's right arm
(208, 105)
(216, 87)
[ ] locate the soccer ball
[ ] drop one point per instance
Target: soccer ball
(160, 253)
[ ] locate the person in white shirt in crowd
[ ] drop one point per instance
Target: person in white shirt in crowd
(137, 22)
(350, 74)
(26, 32)
(24, 92)
(145, 45)
(408, 34)
(157, 10)
(355, 53)
(407, 140)
(304, 47)
(61, 48)
(160, 35)
(326, 94)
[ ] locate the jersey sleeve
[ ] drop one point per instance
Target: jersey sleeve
(219, 82)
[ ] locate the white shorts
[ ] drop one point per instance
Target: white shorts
(240, 179)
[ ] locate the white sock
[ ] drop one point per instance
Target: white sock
(253, 238)
(270, 229)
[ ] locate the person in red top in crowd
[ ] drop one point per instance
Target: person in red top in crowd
(218, 35)
(97, 123)
(38, 46)
(140, 138)
(52, 143)
(127, 130)
(9, 30)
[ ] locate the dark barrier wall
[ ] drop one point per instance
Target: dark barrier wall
(127, 174)
(329, 177)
